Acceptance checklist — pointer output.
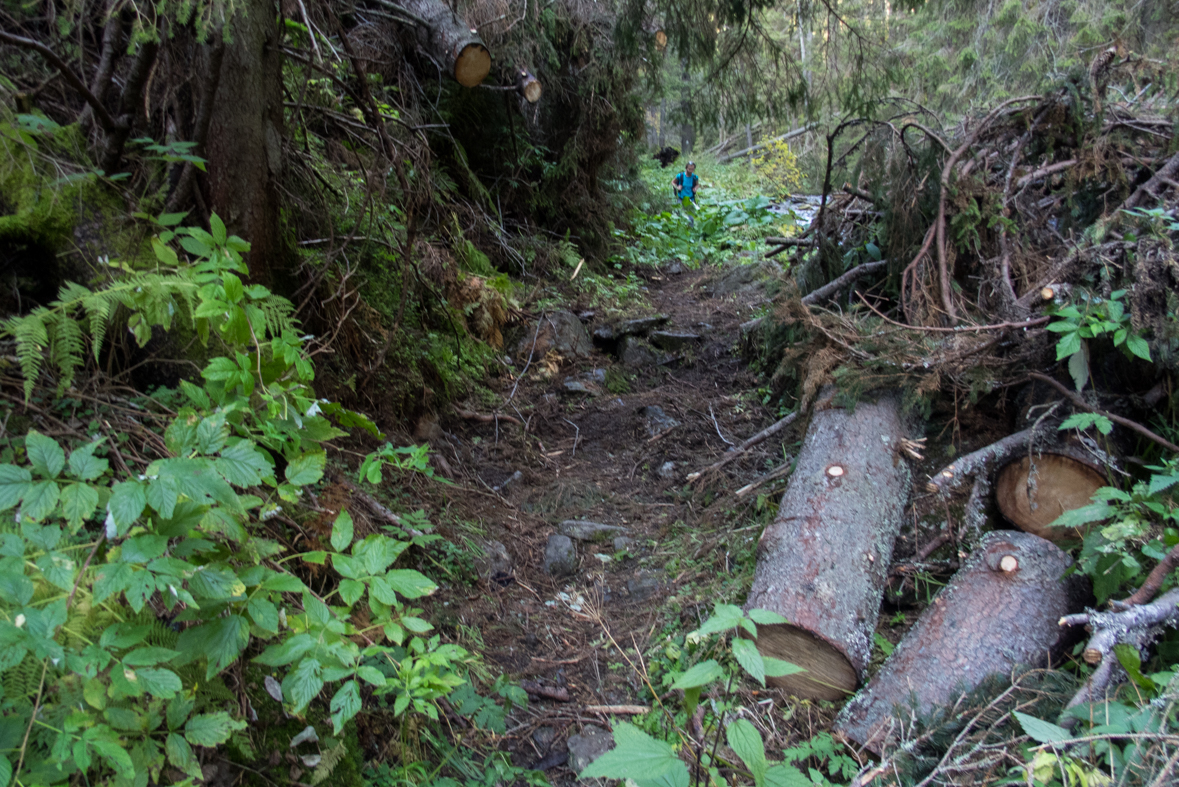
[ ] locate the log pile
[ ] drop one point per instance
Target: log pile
(823, 563)
(449, 40)
(1001, 609)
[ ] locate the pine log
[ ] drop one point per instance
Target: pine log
(823, 563)
(1060, 483)
(450, 41)
(1001, 609)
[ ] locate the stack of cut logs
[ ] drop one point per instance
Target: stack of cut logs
(824, 562)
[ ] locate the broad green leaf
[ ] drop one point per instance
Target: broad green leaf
(786, 776)
(126, 504)
(776, 668)
(178, 709)
(264, 614)
(1131, 661)
(287, 651)
(371, 675)
(306, 469)
(700, 675)
(14, 482)
(351, 590)
(764, 617)
(216, 582)
(636, 755)
(242, 464)
(58, 569)
(416, 625)
(143, 549)
(84, 465)
(44, 454)
(409, 583)
(284, 583)
(345, 704)
(745, 740)
(40, 500)
(1138, 346)
(1042, 731)
(378, 552)
(115, 755)
(211, 729)
(677, 776)
(112, 578)
(43, 538)
(1159, 483)
(15, 588)
(303, 683)
(78, 502)
(724, 617)
(162, 683)
(181, 757)
(149, 656)
(342, 532)
(5, 771)
(1078, 366)
(750, 659)
(221, 640)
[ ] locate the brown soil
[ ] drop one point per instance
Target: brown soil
(592, 457)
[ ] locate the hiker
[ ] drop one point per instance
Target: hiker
(686, 183)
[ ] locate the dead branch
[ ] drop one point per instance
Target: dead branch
(1001, 326)
(736, 453)
(105, 120)
(981, 462)
(835, 286)
(486, 418)
(1147, 191)
(1154, 580)
(1117, 419)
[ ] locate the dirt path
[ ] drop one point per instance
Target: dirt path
(608, 456)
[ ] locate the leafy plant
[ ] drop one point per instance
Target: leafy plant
(1091, 318)
(649, 762)
(183, 540)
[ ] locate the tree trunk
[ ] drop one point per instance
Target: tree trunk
(823, 563)
(244, 148)
(450, 41)
(999, 610)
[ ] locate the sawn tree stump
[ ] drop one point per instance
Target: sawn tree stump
(822, 564)
(999, 610)
(1061, 483)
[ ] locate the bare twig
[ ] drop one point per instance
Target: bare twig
(105, 120)
(736, 453)
(1117, 419)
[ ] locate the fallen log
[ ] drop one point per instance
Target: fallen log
(834, 287)
(823, 563)
(798, 132)
(449, 40)
(1001, 609)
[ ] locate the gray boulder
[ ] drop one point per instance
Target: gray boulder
(495, 560)
(591, 744)
(635, 352)
(560, 331)
(560, 556)
(673, 341)
(657, 421)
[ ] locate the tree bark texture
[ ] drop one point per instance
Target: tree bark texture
(823, 563)
(244, 148)
(1001, 609)
(450, 41)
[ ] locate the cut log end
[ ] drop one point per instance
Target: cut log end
(528, 86)
(660, 40)
(1061, 484)
(472, 65)
(829, 675)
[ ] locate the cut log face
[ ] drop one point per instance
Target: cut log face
(528, 86)
(451, 42)
(1001, 609)
(823, 563)
(1061, 484)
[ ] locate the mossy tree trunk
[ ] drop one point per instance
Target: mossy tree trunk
(244, 148)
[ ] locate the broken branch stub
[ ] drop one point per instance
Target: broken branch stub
(1001, 609)
(823, 563)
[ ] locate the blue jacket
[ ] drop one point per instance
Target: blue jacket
(686, 185)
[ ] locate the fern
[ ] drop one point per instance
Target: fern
(330, 759)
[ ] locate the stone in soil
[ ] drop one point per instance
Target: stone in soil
(495, 561)
(657, 420)
(587, 382)
(672, 341)
(591, 744)
(667, 470)
(560, 556)
(642, 587)
(560, 331)
(635, 352)
(624, 542)
(585, 530)
(641, 325)
(744, 278)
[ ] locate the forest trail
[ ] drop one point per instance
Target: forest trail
(616, 454)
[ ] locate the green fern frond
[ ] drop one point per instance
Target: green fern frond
(66, 350)
(98, 308)
(330, 759)
(22, 682)
(32, 337)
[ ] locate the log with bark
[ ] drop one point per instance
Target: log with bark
(1001, 609)
(450, 41)
(528, 86)
(823, 563)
